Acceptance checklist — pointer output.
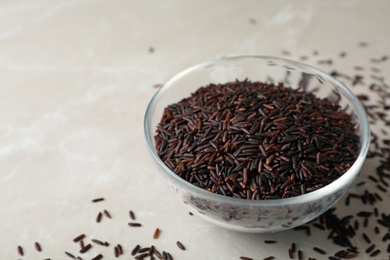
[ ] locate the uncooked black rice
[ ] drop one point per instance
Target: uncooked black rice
(341, 229)
(98, 257)
(20, 251)
(85, 248)
(106, 213)
(180, 245)
(37, 246)
(78, 238)
(156, 233)
(241, 137)
(132, 215)
(134, 224)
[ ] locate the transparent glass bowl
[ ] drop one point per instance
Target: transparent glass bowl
(264, 215)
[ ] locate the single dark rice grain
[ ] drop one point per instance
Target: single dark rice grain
(300, 255)
(245, 258)
(156, 233)
(96, 241)
(319, 250)
(116, 251)
(290, 253)
(341, 254)
(361, 183)
(85, 248)
(70, 255)
(78, 238)
(99, 217)
(319, 226)
(20, 251)
(364, 214)
(351, 255)
(151, 250)
(98, 257)
(106, 213)
(308, 231)
(381, 188)
(356, 225)
(180, 245)
(143, 250)
(132, 215)
(135, 250)
(376, 212)
(365, 223)
(370, 249)
(97, 200)
(142, 256)
(347, 201)
(377, 230)
(375, 253)
(120, 249)
(366, 238)
(386, 237)
(169, 256)
(293, 247)
(158, 254)
(37, 246)
(135, 224)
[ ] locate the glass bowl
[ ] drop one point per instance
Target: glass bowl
(256, 216)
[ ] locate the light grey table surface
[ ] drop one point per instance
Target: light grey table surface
(75, 79)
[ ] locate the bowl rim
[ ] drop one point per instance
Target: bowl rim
(342, 181)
